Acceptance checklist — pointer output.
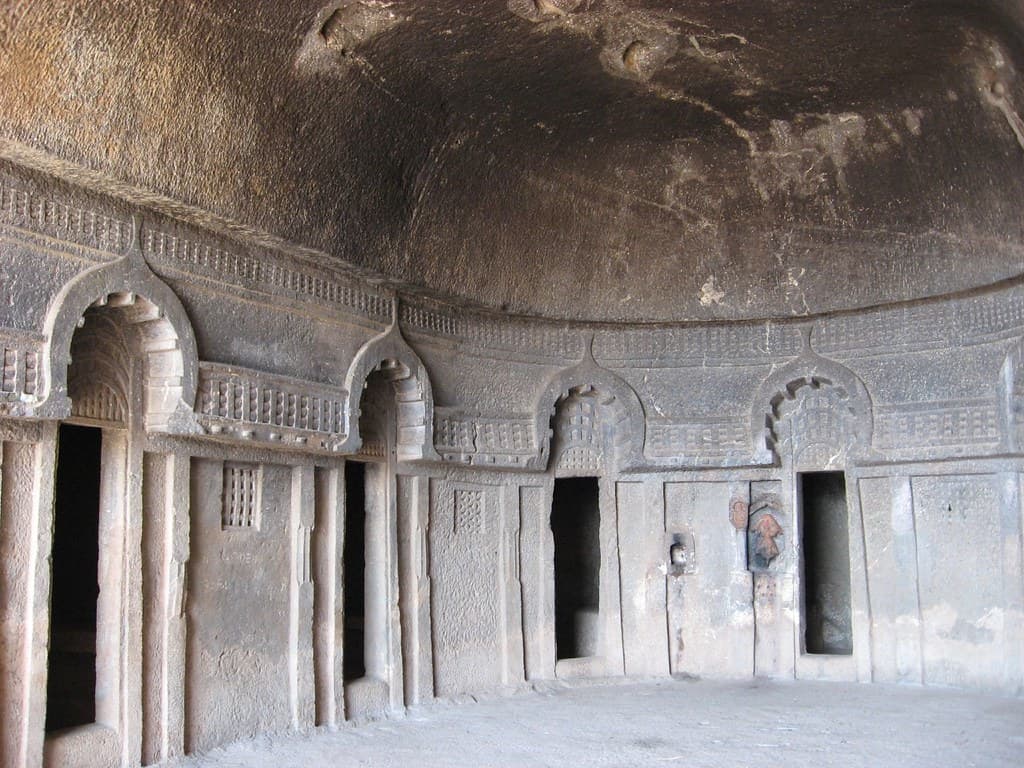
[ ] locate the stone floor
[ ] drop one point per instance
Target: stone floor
(670, 723)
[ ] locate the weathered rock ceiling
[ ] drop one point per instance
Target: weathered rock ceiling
(589, 159)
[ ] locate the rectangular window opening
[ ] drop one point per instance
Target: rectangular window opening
(354, 572)
(826, 563)
(575, 524)
(71, 661)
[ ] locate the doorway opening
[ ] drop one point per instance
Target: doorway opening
(71, 678)
(826, 563)
(575, 524)
(354, 573)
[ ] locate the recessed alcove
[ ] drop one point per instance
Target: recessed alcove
(71, 682)
(354, 574)
(576, 525)
(825, 543)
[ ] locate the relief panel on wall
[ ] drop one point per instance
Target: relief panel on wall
(465, 581)
(711, 623)
(959, 554)
(238, 604)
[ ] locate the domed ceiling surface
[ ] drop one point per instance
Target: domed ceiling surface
(579, 159)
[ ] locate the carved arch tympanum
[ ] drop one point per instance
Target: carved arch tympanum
(587, 414)
(827, 405)
(390, 356)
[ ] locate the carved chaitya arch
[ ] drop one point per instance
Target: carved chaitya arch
(391, 356)
(166, 341)
(812, 385)
(583, 392)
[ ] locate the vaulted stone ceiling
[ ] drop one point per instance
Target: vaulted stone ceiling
(583, 159)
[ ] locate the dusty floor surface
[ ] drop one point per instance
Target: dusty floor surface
(670, 723)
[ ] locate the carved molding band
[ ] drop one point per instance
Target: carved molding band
(20, 431)
(928, 325)
(710, 345)
(47, 216)
(247, 270)
(935, 325)
(536, 339)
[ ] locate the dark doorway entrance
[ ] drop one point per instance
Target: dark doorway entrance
(826, 560)
(354, 572)
(71, 677)
(575, 524)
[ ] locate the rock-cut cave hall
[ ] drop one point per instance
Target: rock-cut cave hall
(364, 359)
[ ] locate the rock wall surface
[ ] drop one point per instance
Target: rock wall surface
(249, 377)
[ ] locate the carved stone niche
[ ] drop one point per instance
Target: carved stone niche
(766, 533)
(813, 413)
(682, 554)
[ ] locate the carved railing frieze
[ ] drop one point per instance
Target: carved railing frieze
(938, 324)
(251, 406)
(699, 441)
(952, 426)
(45, 215)
(471, 438)
(21, 382)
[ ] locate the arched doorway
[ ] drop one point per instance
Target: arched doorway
(124, 378)
(585, 458)
(389, 416)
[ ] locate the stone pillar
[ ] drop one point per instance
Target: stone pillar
(537, 571)
(611, 598)
(643, 556)
(300, 646)
(510, 586)
(413, 511)
(118, 443)
(394, 672)
(328, 596)
(1012, 523)
(165, 527)
(27, 460)
(36, 616)
(860, 606)
(776, 616)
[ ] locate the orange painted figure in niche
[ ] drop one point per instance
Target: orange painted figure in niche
(765, 530)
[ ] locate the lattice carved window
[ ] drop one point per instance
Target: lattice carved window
(241, 499)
